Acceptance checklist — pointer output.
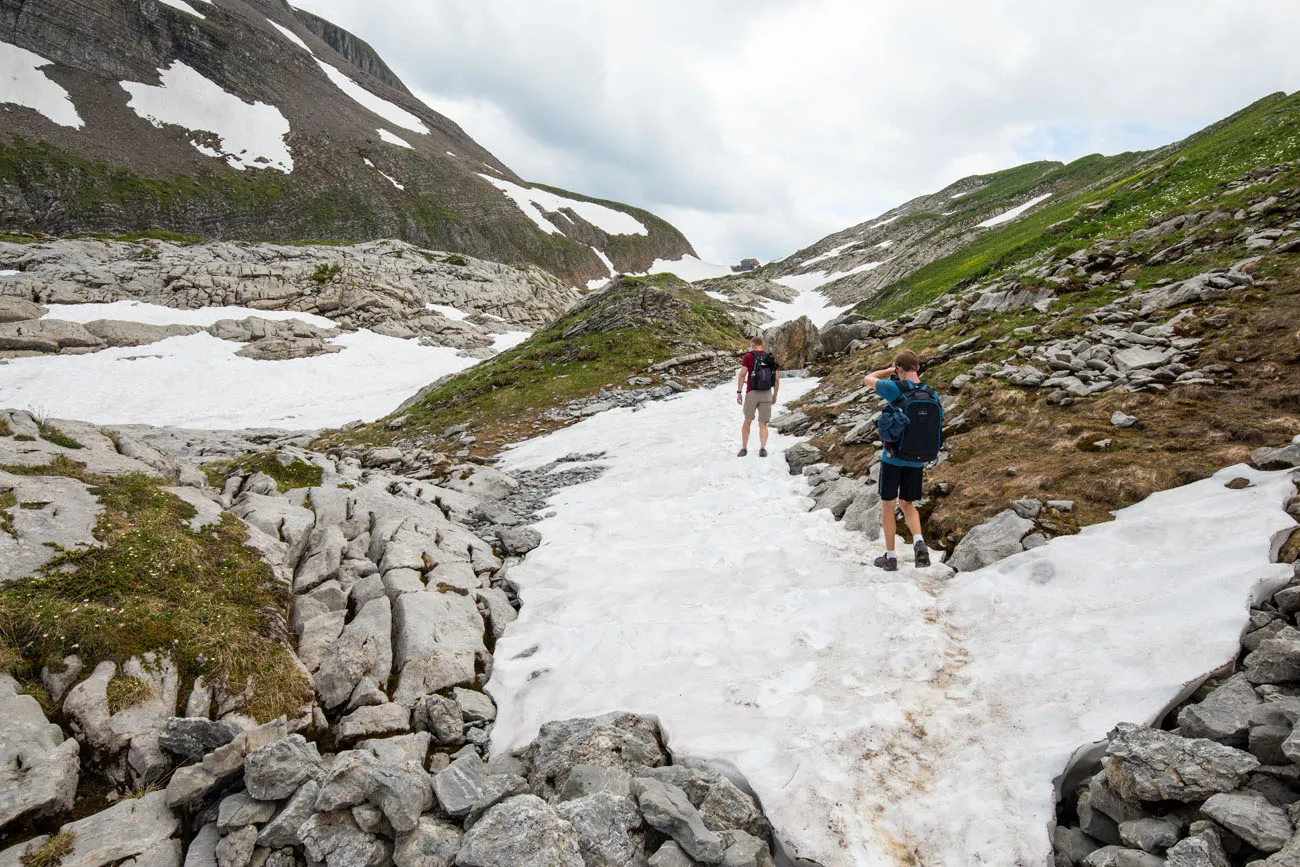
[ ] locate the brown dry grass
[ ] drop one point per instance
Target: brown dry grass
(1016, 445)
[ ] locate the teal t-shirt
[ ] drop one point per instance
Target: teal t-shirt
(891, 391)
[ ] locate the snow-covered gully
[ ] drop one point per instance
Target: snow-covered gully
(913, 718)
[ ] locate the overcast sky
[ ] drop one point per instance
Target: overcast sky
(758, 126)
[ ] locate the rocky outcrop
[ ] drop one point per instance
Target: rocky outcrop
(390, 287)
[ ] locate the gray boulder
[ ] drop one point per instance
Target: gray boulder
(364, 649)
(671, 855)
(441, 718)
(236, 848)
(836, 496)
(1118, 856)
(996, 539)
(275, 771)
(336, 840)
(1284, 458)
(608, 829)
(796, 344)
(1146, 764)
(372, 721)
(1152, 834)
(15, 309)
(667, 809)
(431, 843)
(193, 738)
(401, 792)
(1224, 715)
(1198, 850)
(1073, 844)
(801, 455)
(1276, 660)
(397, 750)
(517, 541)
(468, 788)
(1251, 816)
(283, 829)
(442, 630)
(131, 828)
(1122, 419)
(863, 514)
(587, 780)
(39, 768)
(239, 810)
(118, 333)
(616, 740)
(521, 832)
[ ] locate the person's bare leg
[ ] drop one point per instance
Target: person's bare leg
(762, 434)
(744, 434)
(888, 522)
(913, 518)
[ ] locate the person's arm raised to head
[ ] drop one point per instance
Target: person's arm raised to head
(875, 376)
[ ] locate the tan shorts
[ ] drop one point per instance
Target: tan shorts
(760, 402)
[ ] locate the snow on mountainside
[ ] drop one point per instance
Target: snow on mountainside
(251, 120)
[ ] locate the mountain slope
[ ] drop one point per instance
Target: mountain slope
(984, 223)
(252, 121)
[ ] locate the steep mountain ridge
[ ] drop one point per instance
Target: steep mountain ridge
(246, 120)
(982, 224)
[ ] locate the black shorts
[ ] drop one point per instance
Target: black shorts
(900, 483)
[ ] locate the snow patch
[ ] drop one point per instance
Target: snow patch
(884, 222)
(448, 312)
(388, 111)
(199, 382)
(872, 712)
(381, 171)
(605, 259)
(178, 4)
(249, 135)
(829, 254)
(502, 342)
(291, 36)
(1008, 216)
(450, 154)
(385, 135)
(716, 296)
(689, 268)
(156, 314)
(533, 201)
(9, 273)
(23, 83)
(883, 244)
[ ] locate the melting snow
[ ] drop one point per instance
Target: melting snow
(9, 273)
(716, 296)
(385, 135)
(156, 314)
(448, 312)
(874, 713)
(829, 254)
(1008, 216)
(23, 83)
(608, 264)
(884, 244)
(380, 106)
(381, 171)
(884, 222)
(250, 135)
(502, 342)
(450, 154)
(291, 36)
(528, 199)
(177, 4)
(689, 268)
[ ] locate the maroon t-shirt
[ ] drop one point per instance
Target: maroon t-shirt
(748, 363)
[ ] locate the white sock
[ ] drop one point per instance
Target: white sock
(917, 541)
(891, 555)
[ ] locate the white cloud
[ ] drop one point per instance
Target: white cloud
(759, 125)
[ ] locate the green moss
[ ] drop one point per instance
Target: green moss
(325, 272)
(59, 465)
(458, 261)
(153, 584)
(295, 473)
(7, 501)
(51, 434)
(5, 430)
(25, 438)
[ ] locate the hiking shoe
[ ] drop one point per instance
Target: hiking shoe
(889, 564)
(922, 554)
(762, 453)
(742, 453)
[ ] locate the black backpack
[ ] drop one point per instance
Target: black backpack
(923, 434)
(763, 376)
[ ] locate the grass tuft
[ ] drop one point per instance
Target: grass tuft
(125, 691)
(296, 473)
(51, 434)
(50, 853)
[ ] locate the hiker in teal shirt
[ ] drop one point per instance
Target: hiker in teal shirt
(901, 481)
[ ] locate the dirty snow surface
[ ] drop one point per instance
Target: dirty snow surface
(390, 112)
(884, 719)
(689, 268)
(248, 135)
(23, 83)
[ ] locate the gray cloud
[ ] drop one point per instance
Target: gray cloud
(758, 127)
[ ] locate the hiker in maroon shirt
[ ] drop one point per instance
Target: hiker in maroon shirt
(757, 383)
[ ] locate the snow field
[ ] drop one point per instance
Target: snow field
(385, 135)
(390, 112)
(829, 254)
(1008, 216)
(182, 6)
(381, 171)
(452, 313)
(689, 268)
(197, 381)
(528, 200)
(251, 134)
(290, 35)
(23, 83)
(880, 717)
